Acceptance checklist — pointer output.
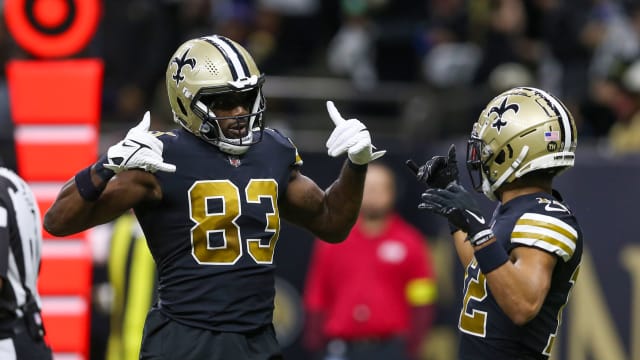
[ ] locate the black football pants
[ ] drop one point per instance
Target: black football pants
(166, 339)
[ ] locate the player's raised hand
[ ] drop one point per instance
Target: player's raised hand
(138, 150)
(439, 171)
(459, 207)
(350, 136)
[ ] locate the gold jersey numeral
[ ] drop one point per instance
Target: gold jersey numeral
(474, 322)
(224, 222)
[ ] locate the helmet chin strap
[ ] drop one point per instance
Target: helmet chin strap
(489, 189)
(230, 148)
(225, 146)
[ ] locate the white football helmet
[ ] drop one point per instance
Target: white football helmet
(216, 72)
(521, 130)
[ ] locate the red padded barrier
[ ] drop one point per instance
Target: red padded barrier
(66, 321)
(66, 269)
(54, 153)
(55, 92)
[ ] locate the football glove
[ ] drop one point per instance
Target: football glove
(459, 207)
(439, 171)
(138, 150)
(352, 137)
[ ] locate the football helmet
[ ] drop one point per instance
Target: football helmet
(521, 130)
(214, 72)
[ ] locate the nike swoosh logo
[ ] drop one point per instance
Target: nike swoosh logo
(555, 207)
(133, 143)
(130, 144)
(479, 218)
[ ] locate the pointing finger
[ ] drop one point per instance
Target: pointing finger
(145, 123)
(412, 166)
(452, 153)
(334, 114)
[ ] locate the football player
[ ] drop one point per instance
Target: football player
(521, 264)
(210, 196)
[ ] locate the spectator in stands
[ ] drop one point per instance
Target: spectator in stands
(21, 328)
(372, 296)
(624, 99)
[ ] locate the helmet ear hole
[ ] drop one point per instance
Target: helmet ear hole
(182, 108)
(500, 157)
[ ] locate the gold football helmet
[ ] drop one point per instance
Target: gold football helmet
(521, 130)
(214, 72)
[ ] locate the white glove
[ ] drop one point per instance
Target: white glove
(138, 150)
(352, 137)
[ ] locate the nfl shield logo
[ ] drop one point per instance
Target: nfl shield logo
(235, 161)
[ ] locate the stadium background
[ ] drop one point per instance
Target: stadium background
(416, 72)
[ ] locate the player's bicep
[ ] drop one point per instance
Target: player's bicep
(70, 213)
(303, 202)
(537, 265)
(125, 191)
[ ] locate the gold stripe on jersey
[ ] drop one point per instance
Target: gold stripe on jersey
(546, 225)
(546, 232)
(534, 236)
(298, 160)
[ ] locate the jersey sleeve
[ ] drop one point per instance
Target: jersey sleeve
(280, 137)
(549, 233)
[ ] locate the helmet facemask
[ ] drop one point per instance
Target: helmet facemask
(474, 163)
(207, 101)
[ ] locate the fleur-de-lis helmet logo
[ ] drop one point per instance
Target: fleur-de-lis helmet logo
(500, 111)
(181, 62)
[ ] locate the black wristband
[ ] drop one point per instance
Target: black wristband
(491, 257)
(358, 168)
(102, 172)
(85, 185)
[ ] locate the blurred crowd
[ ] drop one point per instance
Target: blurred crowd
(461, 51)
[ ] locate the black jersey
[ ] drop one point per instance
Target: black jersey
(537, 220)
(214, 233)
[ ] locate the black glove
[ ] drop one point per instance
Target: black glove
(439, 171)
(459, 207)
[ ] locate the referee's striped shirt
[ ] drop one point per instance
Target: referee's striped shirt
(20, 246)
